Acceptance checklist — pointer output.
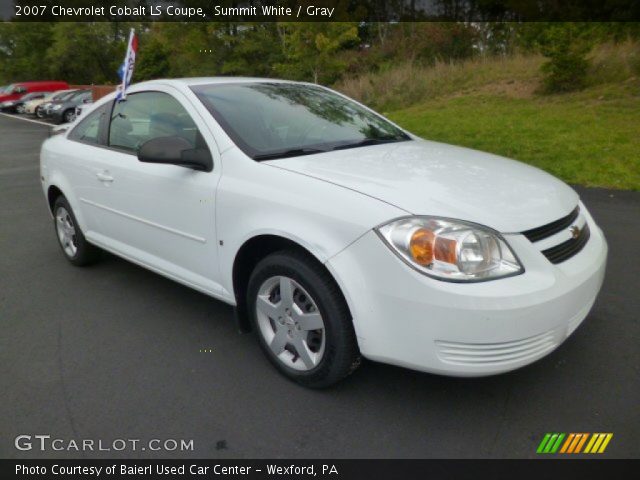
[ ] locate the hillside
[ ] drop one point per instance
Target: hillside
(590, 137)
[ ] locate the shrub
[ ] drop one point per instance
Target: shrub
(566, 47)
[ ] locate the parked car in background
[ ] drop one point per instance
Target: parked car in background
(44, 108)
(17, 90)
(31, 105)
(64, 111)
(83, 107)
(17, 106)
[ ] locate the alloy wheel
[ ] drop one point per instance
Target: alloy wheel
(66, 232)
(290, 323)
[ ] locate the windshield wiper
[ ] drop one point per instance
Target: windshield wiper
(292, 152)
(370, 141)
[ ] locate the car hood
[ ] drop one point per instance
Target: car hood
(430, 178)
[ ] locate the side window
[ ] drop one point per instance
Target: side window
(88, 130)
(147, 115)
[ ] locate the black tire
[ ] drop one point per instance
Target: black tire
(68, 116)
(85, 253)
(39, 113)
(341, 354)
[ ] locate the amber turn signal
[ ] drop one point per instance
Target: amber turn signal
(421, 246)
(426, 247)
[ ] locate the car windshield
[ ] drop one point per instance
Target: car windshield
(277, 120)
(66, 96)
(31, 96)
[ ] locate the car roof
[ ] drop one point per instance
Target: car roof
(40, 82)
(192, 81)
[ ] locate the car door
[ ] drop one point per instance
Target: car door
(162, 216)
(84, 157)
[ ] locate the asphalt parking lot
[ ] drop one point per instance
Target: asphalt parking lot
(115, 352)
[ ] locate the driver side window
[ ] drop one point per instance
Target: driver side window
(147, 115)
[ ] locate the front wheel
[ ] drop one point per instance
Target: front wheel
(302, 320)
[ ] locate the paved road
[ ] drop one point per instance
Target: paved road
(113, 351)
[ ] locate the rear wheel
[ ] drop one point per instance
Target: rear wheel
(302, 320)
(69, 116)
(74, 246)
(39, 112)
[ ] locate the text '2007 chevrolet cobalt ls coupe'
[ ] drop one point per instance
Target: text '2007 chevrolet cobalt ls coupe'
(333, 232)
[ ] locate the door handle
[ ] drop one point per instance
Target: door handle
(104, 177)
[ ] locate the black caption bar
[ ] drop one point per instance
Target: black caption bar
(320, 469)
(320, 10)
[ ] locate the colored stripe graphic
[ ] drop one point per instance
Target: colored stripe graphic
(574, 443)
(543, 443)
(550, 443)
(583, 439)
(555, 447)
(567, 443)
(598, 442)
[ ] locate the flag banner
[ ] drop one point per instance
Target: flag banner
(126, 69)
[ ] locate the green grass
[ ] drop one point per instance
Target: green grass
(590, 138)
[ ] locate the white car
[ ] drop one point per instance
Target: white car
(333, 232)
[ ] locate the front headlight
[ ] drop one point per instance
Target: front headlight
(451, 250)
(57, 107)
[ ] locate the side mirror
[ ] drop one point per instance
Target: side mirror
(175, 151)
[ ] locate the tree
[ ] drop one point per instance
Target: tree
(22, 47)
(566, 46)
(252, 49)
(310, 49)
(89, 52)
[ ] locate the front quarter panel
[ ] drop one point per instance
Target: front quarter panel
(257, 199)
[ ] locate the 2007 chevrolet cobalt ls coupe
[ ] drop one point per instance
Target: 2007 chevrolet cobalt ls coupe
(333, 232)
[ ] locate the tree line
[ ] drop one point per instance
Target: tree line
(90, 53)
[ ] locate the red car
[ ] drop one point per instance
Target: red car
(17, 90)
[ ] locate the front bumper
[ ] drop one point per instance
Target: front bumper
(405, 318)
(56, 115)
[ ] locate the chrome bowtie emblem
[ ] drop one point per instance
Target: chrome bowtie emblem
(575, 231)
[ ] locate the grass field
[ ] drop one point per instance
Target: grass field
(591, 137)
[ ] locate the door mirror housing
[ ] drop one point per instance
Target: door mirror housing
(175, 151)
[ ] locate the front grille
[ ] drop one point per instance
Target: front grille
(545, 231)
(483, 354)
(568, 249)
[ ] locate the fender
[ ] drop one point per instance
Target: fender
(59, 181)
(256, 198)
